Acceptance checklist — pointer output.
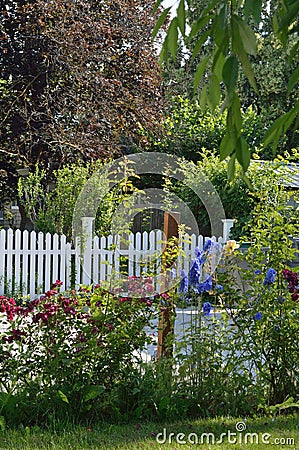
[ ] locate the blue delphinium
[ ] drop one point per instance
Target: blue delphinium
(199, 255)
(184, 282)
(258, 316)
(257, 272)
(219, 287)
(195, 270)
(206, 308)
(206, 285)
(194, 273)
(208, 244)
(270, 277)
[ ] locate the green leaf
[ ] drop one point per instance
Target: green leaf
(93, 392)
(203, 96)
(2, 423)
(239, 49)
(214, 93)
(160, 22)
(280, 126)
(247, 68)
(181, 15)
(164, 52)
(231, 167)
(243, 153)
(218, 63)
(294, 78)
(199, 44)
(294, 50)
(210, 6)
(199, 71)
(221, 36)
(172, 37)
(230, 73)
(248, 8)
(226, 146)
(247, 181)
(236, 113)
(246, 34)
(289, 16)
(257, 10)
(223, 15)
(198, 25)
(62, 396)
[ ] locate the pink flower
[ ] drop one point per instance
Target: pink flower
(50, 293)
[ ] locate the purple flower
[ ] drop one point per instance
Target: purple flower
(257, 272)
(194, 274)
(208, 244)
(184, 282)
(206, 308)
(270, 277)
(258, 316)
(219, 287)
(199, 255)
(206, 285)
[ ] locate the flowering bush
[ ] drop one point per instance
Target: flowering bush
(64, 351)
(260, 300)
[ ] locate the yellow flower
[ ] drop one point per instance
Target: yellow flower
(230, 246)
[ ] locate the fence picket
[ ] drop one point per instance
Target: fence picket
(2, 260)
(68, 269)
(9, 278)
(95, 270)
(137, 252)
(40, 262)
(131, 255)
(32, 258)
(55, 257)
(18, 279)
(48, 262)
(25, 275)
(103, 255)
(62, 266)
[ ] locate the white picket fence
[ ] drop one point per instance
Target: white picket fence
(30, 261)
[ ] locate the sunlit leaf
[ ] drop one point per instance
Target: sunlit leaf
(62, 397)
(246, 34)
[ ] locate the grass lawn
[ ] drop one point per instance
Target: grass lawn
(276, 433)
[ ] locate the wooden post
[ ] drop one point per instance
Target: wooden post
(165, 326)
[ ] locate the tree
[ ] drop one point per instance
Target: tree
(225, 34)
(81, 81)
